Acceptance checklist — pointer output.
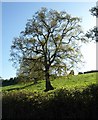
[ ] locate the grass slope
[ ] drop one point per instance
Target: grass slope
(71, 82)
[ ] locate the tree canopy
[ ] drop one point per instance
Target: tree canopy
(93, 33)
(52, 37)
(32, 70)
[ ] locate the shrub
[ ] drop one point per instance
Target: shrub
(60, 104)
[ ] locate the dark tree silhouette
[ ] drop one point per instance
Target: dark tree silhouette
(52, 37)
(93, 33)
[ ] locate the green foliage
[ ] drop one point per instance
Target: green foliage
(75, 97)
(11, 81)
(94, 11)
(51, 37)
(32, 70)
(57, 104)
(93, 33)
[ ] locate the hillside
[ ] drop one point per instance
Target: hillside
(74, 98)
(76, 81)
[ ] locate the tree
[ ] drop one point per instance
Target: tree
(58, 69)
(32, 70)
(93, 33)
(52, 37)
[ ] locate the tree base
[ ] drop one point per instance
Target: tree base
(47, 89)
(48, 84)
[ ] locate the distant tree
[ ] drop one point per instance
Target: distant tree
(1, 81)
(94, 10)
(71, 72)
(32, 70)
(93, 33)
(50, 36)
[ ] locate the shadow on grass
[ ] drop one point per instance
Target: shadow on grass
(19, 88)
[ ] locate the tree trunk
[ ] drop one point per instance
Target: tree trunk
(35, 80)
(48, 83)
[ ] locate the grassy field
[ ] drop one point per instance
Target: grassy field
(71, 82)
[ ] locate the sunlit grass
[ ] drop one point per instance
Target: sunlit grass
(70, 82)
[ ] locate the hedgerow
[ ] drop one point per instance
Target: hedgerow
(59, 104)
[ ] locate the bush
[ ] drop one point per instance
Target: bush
(10, 81)
(61, 104)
